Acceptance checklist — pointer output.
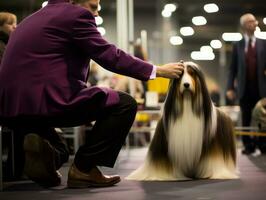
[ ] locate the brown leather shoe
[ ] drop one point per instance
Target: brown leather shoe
(40, 161)
(78, 179)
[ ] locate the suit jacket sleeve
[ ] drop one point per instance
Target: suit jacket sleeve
(87, 38)
(233, 69)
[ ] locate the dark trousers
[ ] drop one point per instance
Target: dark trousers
(108, 135)
(103, 143)
(248, 141)
(247, 103)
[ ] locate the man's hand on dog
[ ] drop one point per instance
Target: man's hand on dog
(170, 70)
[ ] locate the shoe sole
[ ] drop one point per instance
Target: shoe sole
(37, 167)
(86, 184)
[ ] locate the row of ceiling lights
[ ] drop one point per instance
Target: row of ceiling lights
(185, 31)
(204, 54)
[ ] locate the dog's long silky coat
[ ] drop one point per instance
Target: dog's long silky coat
(193, 139)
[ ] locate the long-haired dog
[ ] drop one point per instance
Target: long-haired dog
(193, 139)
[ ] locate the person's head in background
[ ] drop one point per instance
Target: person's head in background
(139, 50)
(90, 5)
(248, 23)
(8, 22)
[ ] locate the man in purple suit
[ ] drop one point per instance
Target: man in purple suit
(42, 80)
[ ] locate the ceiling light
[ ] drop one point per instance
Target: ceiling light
(166, 13)
(199, 20)
(44, 3)
(257, 29)
(264, 20)
(206, 49)
(199, 55)
(232, 36)
(98, 20)
(211, 8)
(216, 44)
(170, 7)
(186, 31)
(176, 40)
(101, 30)
(260, 35)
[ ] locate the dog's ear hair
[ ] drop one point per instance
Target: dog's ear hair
(158, 149)
(171, 107)
(203, 90)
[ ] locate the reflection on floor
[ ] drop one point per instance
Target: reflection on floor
(251, 185)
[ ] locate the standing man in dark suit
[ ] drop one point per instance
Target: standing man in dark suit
(247, 74)
(43, 86)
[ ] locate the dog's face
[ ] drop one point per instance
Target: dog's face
(188, 80)
(191, 86)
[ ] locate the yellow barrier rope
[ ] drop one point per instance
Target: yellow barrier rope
(260, 134)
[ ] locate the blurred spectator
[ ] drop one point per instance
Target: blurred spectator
(129, 85)
(248, 69)
(141, 54)
(259, 120)
(8, 23)
(215, 97)
(214, 91)
(93, 78)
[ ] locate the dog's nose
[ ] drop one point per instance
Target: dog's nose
(186, 85)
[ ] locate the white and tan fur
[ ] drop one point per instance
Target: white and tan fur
(193, 139)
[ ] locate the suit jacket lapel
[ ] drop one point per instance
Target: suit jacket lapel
(259, 49)
(242, 54)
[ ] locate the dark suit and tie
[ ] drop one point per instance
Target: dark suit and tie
(247, 76)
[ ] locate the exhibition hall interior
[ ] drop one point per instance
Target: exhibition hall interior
(201, 135)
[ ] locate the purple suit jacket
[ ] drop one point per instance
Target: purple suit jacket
(45, 65)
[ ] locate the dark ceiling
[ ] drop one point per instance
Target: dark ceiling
(227, 19)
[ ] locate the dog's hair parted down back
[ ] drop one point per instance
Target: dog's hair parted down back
(193, 139)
